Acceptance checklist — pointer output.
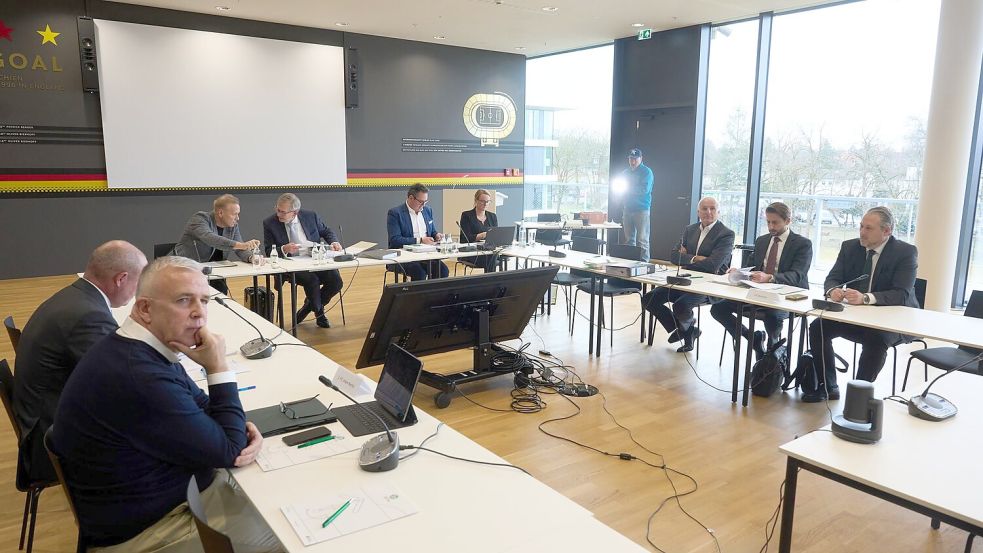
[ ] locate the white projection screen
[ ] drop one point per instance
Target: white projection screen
(191, 109)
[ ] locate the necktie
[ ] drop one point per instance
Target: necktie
(864, 285)
(292, 230)
(772, 262)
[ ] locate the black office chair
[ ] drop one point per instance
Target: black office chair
(23, 482)
(12, 331)
(613, 286)
(160, 250)
(948, 358)
(82, 542)
(550, 237)
(212, 541)
(575, 277)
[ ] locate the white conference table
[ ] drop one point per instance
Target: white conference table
(461, 505)
(537, 225)
(932, 468)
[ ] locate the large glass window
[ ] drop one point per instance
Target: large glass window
(730, 102)
(568, 131)
(974, 280)
(848, 98)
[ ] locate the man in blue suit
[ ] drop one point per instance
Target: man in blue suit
(412, 223)
(295, 231)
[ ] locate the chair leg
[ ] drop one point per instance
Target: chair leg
(904, 383)
(699, 313)
(576, 294)
(611, 339)
(936, 524)
(723, 342)
(27, 512)
(894, 369)
(35, 497)
(341, 300)
(854, 366)
(969, 543)
(651, 328)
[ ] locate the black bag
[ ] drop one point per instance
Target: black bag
(768, 373)
(264, 301)
(805, 375)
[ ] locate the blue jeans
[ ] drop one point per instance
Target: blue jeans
(636, 225)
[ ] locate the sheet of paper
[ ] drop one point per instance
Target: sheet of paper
(277, 455)
(371, 505)
(359, 247)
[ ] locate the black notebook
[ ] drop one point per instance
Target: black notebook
(273, 420)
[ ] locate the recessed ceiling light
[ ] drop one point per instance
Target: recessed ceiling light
(520, 47)
(440, 37)
(341, 24)
(637, 24)
(550, 8)
(222, 8)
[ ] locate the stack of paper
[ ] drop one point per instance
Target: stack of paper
(368, 506)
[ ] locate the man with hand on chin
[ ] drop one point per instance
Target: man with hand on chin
(132, 427)
(890, 266)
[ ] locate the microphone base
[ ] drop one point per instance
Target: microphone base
(379, 454)
(831, 306)
(931, 407)
(465, 249)
(554, 253)
(257, 348)
(678, 281)
(343, 257)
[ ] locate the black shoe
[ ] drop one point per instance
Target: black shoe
(758, 344)
(815, 397)
(323, 322)
(834, 392)
(674, 336)
(689, 338)
(304, 311)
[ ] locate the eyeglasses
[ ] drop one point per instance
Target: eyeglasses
(287, 410)
(486, 202)
(421, 202)
(285, 212)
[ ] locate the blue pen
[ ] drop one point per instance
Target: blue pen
(247, 388)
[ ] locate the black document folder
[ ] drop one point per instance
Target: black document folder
(273, 421)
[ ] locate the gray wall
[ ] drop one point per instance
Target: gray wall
(654, 107)
(408, 89)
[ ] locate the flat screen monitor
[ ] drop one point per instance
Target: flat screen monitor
(435, 316)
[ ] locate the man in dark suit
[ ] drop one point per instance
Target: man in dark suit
(781, 257)
(412, 223)
(295, 231)
(61, 330)
(891, 266)
(214, 236)
(706, 246)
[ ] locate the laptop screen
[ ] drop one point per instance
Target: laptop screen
(499, 236)
(400, 374)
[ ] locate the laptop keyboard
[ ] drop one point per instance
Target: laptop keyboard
(360, 423)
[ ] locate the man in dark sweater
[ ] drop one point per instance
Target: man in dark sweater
(132, 427)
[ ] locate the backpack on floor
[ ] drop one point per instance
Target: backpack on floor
(768, 373)
(806, 374)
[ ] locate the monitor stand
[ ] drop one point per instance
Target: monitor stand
(482, 368)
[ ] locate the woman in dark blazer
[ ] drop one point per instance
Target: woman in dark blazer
(475, 224)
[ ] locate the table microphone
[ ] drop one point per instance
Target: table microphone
(344, 256)
(679, 279)
(257, 348)
(379, 454)
(834, 306)
(471, 248)
(933, 407)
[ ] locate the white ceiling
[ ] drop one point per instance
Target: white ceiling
(515, 26)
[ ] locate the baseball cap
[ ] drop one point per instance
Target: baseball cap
(634, 152)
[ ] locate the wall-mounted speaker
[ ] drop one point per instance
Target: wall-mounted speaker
(87, 54)
(351, 77)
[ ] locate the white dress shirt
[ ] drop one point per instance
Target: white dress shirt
(419, 223)
(135, 331)
(296, 234)
(782, 240)
(873, 267)
(704, 231)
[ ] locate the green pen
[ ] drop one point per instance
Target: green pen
(314, 442)
(336, 514)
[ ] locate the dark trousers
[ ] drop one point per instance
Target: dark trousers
(725, 312)
(487, 262)
(418, 270)
(874, 344)
(683, 304)
(220, 284)
(320, 287)
(33, 458)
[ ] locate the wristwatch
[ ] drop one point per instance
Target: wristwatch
(866, 299)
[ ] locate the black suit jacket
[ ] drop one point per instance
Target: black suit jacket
(894, 274)
(717, 247)
(471, 226)
(274, 232)
(793, 266)
(55, 338)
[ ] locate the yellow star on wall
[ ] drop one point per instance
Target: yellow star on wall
(47, 35)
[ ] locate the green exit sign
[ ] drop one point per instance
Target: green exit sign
(644, 34)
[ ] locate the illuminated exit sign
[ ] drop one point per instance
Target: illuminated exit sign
(644, 34)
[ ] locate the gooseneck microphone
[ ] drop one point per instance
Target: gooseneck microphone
(380, 453)
(835, 306)
(470, 248)
(933, 407)
(344, 256)
(679, 279)
(257, 348)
